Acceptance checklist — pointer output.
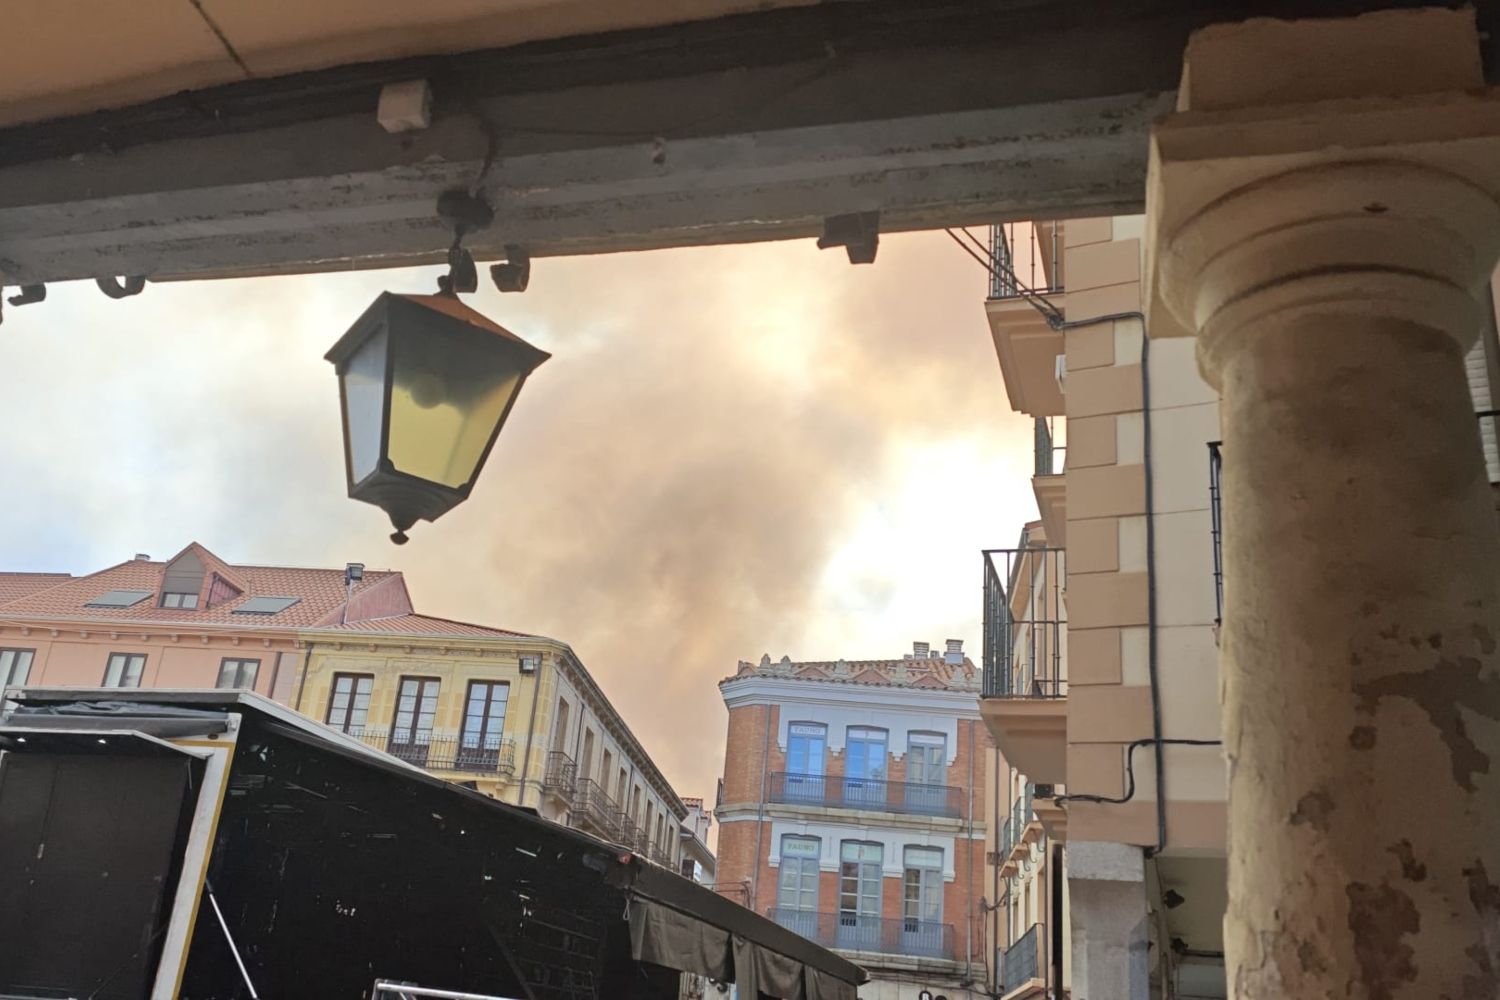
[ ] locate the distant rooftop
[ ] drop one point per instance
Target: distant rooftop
(924, 667)
(196, 587)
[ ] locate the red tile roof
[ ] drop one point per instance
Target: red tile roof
(14, 586)
(928, 672)
(415, 624)
(321, 594)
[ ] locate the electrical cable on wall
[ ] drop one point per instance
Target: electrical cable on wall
(1056, 321)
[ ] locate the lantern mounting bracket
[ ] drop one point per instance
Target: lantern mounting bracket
(464, 212)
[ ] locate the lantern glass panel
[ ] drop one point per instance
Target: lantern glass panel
(364, 405)
(448, 394)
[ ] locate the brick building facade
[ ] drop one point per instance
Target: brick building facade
(853, 812)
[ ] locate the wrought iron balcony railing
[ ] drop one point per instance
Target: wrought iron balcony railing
(1024, 622)
(1019, 816)
(560, 777)
(445, 751)
(1025, 259)
(858, 932)
(1021, 962)
(592, 805)
(875, 794)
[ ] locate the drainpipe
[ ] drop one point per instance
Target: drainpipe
(995, 949)
(302, 681)
(969, 850)
(536, 696)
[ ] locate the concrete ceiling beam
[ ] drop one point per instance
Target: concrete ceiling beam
(750, 128)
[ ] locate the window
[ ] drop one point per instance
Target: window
(922, 902)
(585, 766)
(484, 724)
(560, 728)
(349, 702)
(237, 673)
(621, 787)
(15, 666)
(124, 670)
(864, 767)
(118, 599)
(635, 806)
(172, 599)
(797, 879)
(922, 886)
(805, 743)
(411, 730)
(859, 895)
(926, 766)
(926, 755)
(605, 769)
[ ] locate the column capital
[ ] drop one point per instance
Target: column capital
(1364, 187)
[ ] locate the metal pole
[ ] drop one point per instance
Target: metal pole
(403, 990)
(233, 948)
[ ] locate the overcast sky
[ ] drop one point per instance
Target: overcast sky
(733, 451)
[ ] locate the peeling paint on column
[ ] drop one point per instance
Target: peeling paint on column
(1440, 692)
(1411, 869)
(1380, 917)
(1313, 809)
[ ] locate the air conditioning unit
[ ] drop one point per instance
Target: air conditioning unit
(529, 664)
(1043, 791)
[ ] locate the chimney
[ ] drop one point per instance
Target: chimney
(142, 557)
(920, 650)
(955, 654)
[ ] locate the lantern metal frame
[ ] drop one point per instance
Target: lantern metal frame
(405, 497)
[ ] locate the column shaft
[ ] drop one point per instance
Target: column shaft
(1362, 700)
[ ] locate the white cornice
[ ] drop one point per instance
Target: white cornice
(761, 690)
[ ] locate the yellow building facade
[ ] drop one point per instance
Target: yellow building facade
(515, 716)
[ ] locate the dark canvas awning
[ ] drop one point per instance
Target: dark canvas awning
(335, 865)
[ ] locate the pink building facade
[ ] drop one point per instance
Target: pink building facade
(192, 621)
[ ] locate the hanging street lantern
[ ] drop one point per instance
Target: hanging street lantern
(426, 384)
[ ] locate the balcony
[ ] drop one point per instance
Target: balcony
(1020, 830)
(1026, 266)
(1048, 481)
(857, 932)
(445, 751)
(834, 792)
(1021, 967)
(1025, 684)
(594, 810)
(560, 776)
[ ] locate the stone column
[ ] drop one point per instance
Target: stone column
(1109, 921)
(1332, 260)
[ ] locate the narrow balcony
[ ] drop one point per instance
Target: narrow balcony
(434, 751)
(1048, 481)
(873, 935)
(594, 810)
(835, 792)
(1026, 266)
(560, 777)
(1021, 829)
(1021, 967)
(1025, 685)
